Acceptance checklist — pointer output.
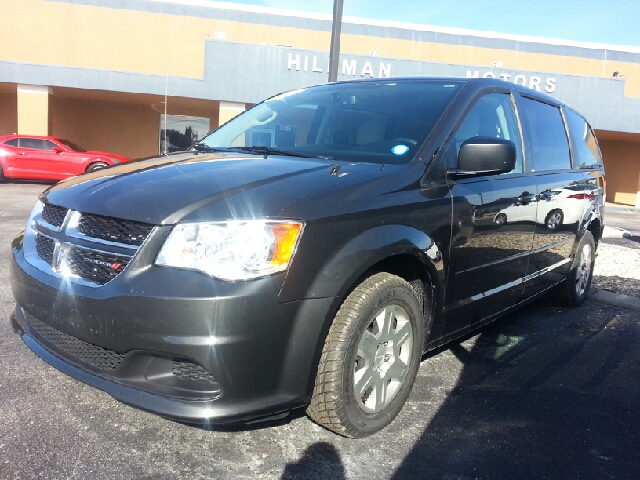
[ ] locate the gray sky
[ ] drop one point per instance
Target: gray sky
(614, 22)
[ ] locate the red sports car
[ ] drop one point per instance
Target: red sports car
(49, 158)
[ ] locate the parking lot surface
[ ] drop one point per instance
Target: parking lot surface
(547, 392)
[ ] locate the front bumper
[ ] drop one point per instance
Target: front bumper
(176, 343)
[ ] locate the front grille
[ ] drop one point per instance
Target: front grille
(114, 230)
(100, 358)
(188, 370)
(106, 244)
(45, 247)
(96, 267)
(53, 214)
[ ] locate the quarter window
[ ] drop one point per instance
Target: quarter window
(14, 142)
(545, 136)
(48, 145)
(583, 141)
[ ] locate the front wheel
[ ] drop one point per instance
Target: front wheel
(573, 291)
(370, 358)
(96, 166)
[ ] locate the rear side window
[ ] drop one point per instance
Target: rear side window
(546, 140)
(583, 141)
(14, 142)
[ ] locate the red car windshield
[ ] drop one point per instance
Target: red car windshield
(72, 145)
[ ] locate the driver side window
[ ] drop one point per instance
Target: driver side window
(491, 116)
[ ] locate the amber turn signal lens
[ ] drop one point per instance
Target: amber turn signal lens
(286, 238)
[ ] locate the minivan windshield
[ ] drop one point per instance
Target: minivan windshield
(377, 122)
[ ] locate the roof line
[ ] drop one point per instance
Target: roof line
(401, 25)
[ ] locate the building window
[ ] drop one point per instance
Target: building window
(181, 132)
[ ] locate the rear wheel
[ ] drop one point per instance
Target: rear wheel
(554, 219)
(96, 166)
(501, 219)
(370, 358)
(573, 291)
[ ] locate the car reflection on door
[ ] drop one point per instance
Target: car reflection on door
(488, 260)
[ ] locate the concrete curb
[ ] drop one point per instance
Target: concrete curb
(615, 232)
(621, 208)
(615, 299)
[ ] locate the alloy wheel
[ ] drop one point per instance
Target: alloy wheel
(382, 359)
(584, 270)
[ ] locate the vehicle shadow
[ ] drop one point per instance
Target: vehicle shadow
(546, 393)
(320, 460)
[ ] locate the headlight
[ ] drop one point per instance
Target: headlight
(234, 250)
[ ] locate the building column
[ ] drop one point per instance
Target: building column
(229, 110)
(33, 110)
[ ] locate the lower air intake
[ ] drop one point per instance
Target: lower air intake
(74, 348)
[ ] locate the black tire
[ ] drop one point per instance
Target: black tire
(574, 290)
(94, 167)
(501, 219)
(1, 174)
(352, 359)
(554, 219)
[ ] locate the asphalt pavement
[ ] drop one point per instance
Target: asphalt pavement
(622, 226)
(547, 392)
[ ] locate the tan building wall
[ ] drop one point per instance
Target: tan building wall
(102, 38)
(622, 167)
(107, 126)
(8, 113)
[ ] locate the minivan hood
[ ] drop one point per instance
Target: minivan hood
(213, 186)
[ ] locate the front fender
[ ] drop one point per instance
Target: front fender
(322, 272)
(313, 275)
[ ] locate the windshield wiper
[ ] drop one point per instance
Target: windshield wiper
(275, 151)
(201, 147)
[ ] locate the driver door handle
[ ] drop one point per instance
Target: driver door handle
(526, 197)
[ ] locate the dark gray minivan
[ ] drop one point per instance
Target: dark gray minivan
(308, 252)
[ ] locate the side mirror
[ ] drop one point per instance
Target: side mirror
(486, 156)
(58, 149)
